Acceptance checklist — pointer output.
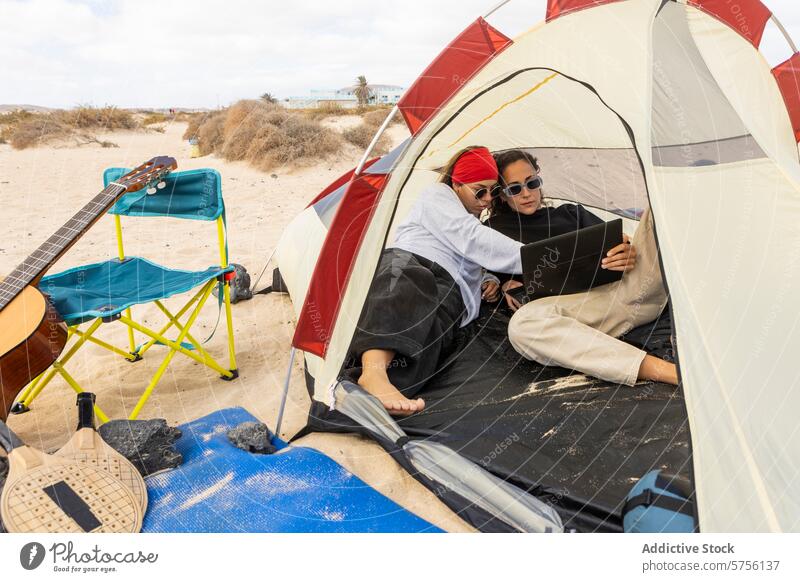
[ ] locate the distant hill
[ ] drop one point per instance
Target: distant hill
(39, 109)
(32, 108)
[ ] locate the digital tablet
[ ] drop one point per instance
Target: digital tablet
(570, 263)
(519, 294)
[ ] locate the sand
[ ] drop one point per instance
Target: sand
(41, 188)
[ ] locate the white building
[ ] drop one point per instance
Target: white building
(345, 97)
(381, 94)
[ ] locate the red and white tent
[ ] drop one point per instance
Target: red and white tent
(666, 103)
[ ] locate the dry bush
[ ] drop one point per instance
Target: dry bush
(23, 129)
(248, 121)
(364, 109)
(153, 118)
(210, 134)
(361, 136)
(35, 130)
(326, 110)
(244, 112)
(107, 118)
(187, 116)
(295, 141)
(376, 117)
(195, 121)
(83, 139)
(5, 131)
(14, 117)
(264, 134)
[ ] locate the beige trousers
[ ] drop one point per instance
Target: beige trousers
(579, 331)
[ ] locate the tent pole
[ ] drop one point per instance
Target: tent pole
(784, 32)
(285, 393)
(495, 9)
(375, 139)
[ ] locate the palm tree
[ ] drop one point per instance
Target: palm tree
(362, 91)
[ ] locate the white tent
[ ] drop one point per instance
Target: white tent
(630, 102)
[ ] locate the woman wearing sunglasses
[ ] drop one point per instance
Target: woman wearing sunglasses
(579, 331)
(430, 282)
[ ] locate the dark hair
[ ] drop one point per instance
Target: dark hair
(447, 172)
(503, 160)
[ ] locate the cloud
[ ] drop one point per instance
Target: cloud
(201, 53)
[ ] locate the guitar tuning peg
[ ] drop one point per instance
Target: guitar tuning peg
(151, 190)
(161, 185)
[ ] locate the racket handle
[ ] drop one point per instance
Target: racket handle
(85, 403)
(8, 440)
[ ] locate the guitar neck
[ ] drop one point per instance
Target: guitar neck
(31, 269)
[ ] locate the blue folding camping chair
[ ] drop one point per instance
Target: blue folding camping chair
(91, 295)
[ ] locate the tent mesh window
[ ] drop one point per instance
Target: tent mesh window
(693, 122)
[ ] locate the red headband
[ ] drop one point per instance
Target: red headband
(474, 166)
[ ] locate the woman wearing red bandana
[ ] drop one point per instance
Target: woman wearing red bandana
(429, 283)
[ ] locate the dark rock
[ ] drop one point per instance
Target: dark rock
(239, 285)
(254, 437)
(148, 444)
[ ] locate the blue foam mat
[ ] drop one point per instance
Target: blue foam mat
(220, 488)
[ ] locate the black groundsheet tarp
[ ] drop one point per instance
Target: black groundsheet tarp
(576, 442)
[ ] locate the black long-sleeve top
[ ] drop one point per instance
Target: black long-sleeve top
(542, 224)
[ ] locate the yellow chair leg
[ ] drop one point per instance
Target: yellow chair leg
(30, 387)
(174, 320)
(77, 387)
(127, 355)
(164, 329)
(84, 337)
(131, 339)
(210, 362)
(229, 319)
(223, 257)
(173, 350)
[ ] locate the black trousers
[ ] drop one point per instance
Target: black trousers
(414, 307)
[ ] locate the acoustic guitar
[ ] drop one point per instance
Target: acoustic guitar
(32, 334)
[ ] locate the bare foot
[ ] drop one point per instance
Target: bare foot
(392, 399)
(658, 370)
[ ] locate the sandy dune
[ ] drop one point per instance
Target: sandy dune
(41, 188)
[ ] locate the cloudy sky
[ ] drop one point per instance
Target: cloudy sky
(205, 53)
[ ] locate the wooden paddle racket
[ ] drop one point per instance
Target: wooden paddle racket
(47, 494)
(88, 446)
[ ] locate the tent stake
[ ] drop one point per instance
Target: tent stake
(375, 139)
(285, 393)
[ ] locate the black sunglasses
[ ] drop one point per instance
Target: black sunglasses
(533, 184)
(495, 191)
